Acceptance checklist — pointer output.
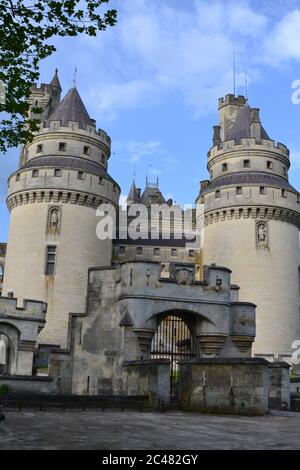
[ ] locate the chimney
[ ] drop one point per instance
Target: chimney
(255, 126)
(217, 135)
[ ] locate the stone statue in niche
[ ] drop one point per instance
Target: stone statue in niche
(261, 233)
(54, 219)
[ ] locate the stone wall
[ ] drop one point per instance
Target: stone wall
(235, 386)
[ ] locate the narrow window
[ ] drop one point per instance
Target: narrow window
(283, 193)
(103, 158)
(57, 172)
(262, 190)
(39, 148)
(62, 146)
(100, 180)
(86, 150)
(218, 193)
(115, 188)
(298, 198)
(156, 251)
(269, 165)
(224, 167)
(139, 250)
(191, 252)
(50, 260)
(35, 173)
(80, 175)
(122, 250)
(174, 252)
(246, 163)
(18, 177)
(239, 190)
(284, 170)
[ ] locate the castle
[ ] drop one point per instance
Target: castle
(97, 304)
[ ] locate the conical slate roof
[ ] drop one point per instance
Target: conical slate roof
(241, 127)
(71, 108)
(134, 193)
(55, 83)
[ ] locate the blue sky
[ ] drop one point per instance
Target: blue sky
(153, 81)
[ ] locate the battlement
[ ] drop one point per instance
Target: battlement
(43, 88)
(31, 308)
(231, 99)
(73, 126)
(249, 143)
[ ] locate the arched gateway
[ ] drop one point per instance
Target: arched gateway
(174, 341)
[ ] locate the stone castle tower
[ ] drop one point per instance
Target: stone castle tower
(52, 198)
(252, 217)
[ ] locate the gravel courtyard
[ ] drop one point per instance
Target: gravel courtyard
(112, 430)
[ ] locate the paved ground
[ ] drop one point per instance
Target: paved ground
(112, 430)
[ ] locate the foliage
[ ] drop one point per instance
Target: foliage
(4, 389)
(27, 29)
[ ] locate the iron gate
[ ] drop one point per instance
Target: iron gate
(173, 341)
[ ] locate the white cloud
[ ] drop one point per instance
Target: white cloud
(283, 42)
(158, 49)
(139, 150)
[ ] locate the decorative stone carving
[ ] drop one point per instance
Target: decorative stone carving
(261, 233)
(54, 219)
(182, 274)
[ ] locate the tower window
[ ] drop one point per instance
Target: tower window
(224, 167)
(298, 198)
(115, 188)
(239, 190)
(35, 173)
(218, 193)
(246, 163)
(139, 250)
(103, 158)
(284, 170)
(174, 252)
(80, 175)
(283, 193)
(100, 181)
(269, 165)
(262, 190)
(18, 177)
(156, 251)
(57, 172)
(50, 260)
(39, 148)
(62, 146)
(86, 150)
(121, 250)
(191, 252)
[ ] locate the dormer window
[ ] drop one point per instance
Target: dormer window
(246, 163)
(86, 150)
(62, 146)
(39, 148)
(224, 167)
